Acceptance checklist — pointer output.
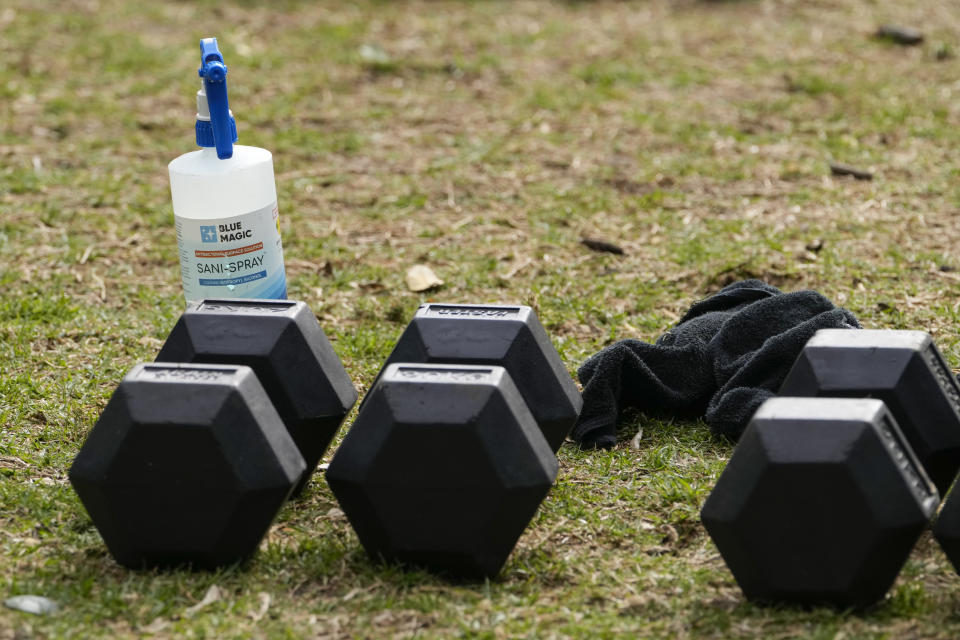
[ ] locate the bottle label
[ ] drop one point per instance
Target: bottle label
(235, 257)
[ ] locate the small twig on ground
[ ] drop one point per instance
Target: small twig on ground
(265, 600)
(12, 462)
(517, 268)
(212, 595)
(101, 284)
(461, 222)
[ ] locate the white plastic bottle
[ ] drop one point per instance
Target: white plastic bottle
(225, 203)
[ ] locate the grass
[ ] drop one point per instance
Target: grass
(484, 139)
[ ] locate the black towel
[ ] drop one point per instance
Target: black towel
(728, 354)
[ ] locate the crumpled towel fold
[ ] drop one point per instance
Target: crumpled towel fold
(728, 354)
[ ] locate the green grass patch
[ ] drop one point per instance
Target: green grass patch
(485, 139)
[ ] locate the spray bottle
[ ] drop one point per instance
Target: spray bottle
(225, 202)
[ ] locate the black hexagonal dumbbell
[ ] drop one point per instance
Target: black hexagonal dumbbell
(188, 464)
(821, 502)
(443, 468)
(284, 344)
(902, 368)
(510, 336)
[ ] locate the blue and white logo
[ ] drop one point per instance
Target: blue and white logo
(208, 233)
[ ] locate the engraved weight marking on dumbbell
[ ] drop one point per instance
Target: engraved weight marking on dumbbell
(944, 377)
(238, 306)
(444, 374)
(897, 446)
(185, 375)
(475, 312)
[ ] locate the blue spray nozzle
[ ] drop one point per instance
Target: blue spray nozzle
(221, 126)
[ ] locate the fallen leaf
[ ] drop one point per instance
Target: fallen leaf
(899, 35)
(373, 54)
(839, 169)
(37, 605)
(420, 277)
(601, 245)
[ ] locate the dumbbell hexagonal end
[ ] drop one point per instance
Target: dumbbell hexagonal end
(188, 464)
(510, 336)
(820, 503)
(905, 370)
(284, 344)
(443, 468)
